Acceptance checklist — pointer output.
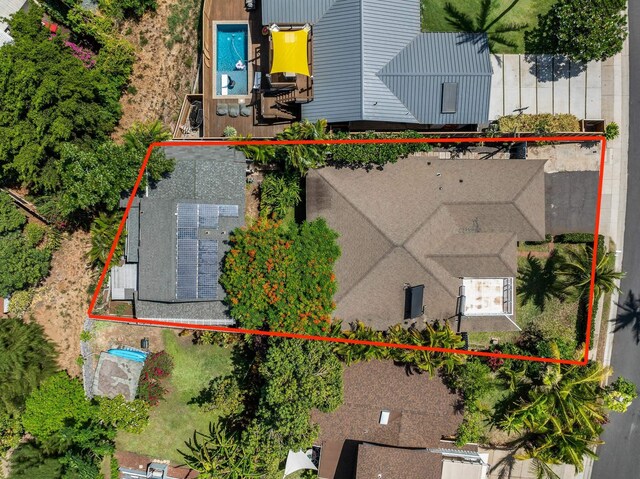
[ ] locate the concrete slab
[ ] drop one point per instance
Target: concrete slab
(577, 89)
(496, 102)
(528, 85)
(594, 88)
(544, 75)
(511, 75)
(561, 85)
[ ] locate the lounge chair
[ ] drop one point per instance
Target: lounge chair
(245, 110)
(234, 110)
(222, 109)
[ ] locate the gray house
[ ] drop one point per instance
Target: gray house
(7, 9)
(177, 236)
(373, 67)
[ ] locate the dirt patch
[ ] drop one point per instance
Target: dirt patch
(252, 196)
(162, 76)
(109, 335)
(60, 304)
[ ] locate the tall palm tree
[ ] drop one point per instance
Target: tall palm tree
(482, 23)
(575, 269)
(559, 415)
(538, 282)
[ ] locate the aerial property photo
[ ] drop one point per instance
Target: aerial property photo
(333, 239)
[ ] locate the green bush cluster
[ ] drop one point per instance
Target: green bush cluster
(611, 131)
(278, 194)
(543, 123)
(157, 366)
(281, 279)
(121, 9)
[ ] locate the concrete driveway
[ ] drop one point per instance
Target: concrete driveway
(571, 201)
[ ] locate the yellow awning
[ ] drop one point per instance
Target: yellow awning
(290, 52)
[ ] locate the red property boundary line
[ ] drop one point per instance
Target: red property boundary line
(170, 324)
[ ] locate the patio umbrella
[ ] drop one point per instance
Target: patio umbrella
(290, 52)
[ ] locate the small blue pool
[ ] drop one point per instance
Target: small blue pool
(231, 59)
(128, 354)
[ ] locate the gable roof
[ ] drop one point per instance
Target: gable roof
(425, 221)
(371, 63)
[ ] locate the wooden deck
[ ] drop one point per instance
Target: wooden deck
(229, 11)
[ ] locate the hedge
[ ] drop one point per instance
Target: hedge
(540, 123)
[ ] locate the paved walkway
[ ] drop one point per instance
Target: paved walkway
(546, 84)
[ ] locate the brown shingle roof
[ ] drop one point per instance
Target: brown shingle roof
(422, 410)
(425, 221)
(390, 463)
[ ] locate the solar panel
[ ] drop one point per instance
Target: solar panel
(208, 216)
(187, 215)
(228, 210)
(187, 233)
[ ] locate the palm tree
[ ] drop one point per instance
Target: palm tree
(103, 231)
(559, 415)
(279, 193)
(353, 353)
(141, 135)
(482, 24)
(575, 268)
(538, 282)
(218, 454)
(301, 158)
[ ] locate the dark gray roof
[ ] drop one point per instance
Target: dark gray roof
(202, 175)
(294, 11)
(371, 63)
(133, 233)
(425, 221)
(417, 75)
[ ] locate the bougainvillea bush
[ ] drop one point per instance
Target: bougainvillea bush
(157, 366)
(281, 279)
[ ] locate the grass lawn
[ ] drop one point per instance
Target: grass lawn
(173, 421)
(435, 18)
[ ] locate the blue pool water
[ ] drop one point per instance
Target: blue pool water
(231, 42)
(126, 353)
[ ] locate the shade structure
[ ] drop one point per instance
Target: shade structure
(297, 461)
(290, 52)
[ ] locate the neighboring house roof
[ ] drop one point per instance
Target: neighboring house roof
(426, 221)
(422, 412)
(203, 176)
(371, 63)
(8, 8)
(392, 463)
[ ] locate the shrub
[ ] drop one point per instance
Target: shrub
(368, 155)
(547, 239)
(471, 430)
(130, 416)
(279, 193)
(224, 394)
(620, 394)
(224, 340)
(20, 302)
(34, 234)
(229, 132)
(539, 123)
(159, 364)
(611, 131)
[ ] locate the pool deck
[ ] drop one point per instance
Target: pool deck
(214, 11)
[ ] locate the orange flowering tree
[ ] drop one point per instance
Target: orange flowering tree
(281, 279)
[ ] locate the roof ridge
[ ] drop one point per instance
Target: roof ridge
(526, 186)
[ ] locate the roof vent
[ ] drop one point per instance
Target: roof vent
(384, 417)
(449, 97)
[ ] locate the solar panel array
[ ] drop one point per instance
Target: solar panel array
(197, 259)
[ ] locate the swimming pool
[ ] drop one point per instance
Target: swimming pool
(232, 46)
(127, 353)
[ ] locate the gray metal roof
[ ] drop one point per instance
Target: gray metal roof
(417, 75)
(7, 9)
(294, 11)
(371, 63)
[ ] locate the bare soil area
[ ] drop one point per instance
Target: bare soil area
(107, 335)
(252, 196)
(162, 76)
(60, 304)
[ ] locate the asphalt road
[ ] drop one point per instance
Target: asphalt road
(571, 201)
(620, 455)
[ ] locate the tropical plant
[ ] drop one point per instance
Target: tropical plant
(575, 268)
(117, 412)
(352, 353)
(103, 231)
(539, 281)
(620, 394)
(219, 454)
(301, 158)
(583, 30)
(559, 414)
(141, 135)
(279, 193)
(483, 23)
(611, 131)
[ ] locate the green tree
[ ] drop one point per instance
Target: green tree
(10, 218)
(26, 359)
(29, 462)
(48, 98)
(22, 265)
(103, 231)
(219, 454)
(584, 30)
(142, 135)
